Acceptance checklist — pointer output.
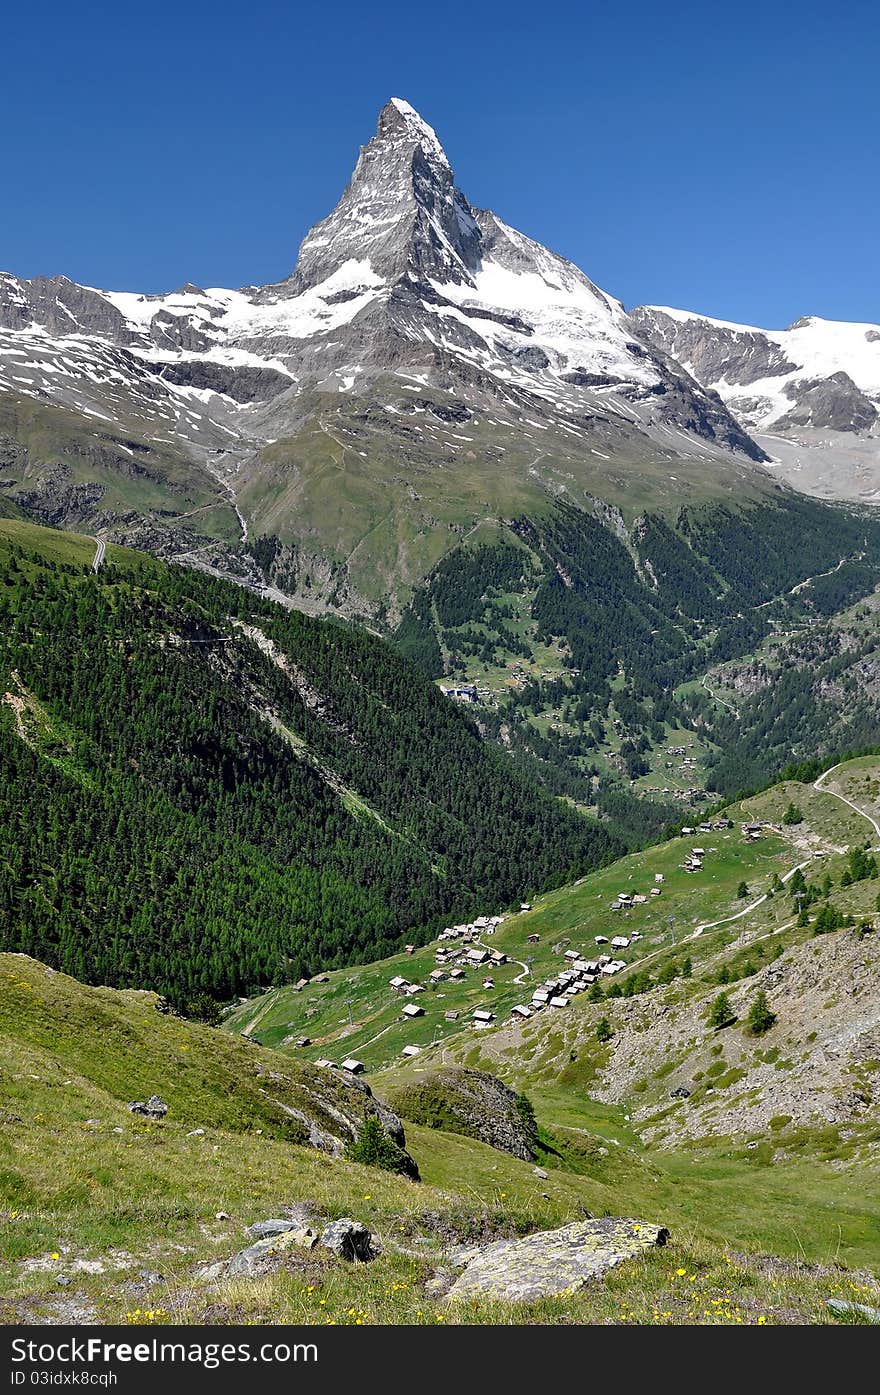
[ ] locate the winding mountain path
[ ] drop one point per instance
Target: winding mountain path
(819, 785)
(716, 698)
(100, 554)
(853, 557)
(727, 920)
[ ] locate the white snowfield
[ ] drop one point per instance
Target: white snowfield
(562, 313)
(575, 323)
(818, 348)
(232, 316)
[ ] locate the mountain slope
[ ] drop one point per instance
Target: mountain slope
(434, 403)
(403, 274)
(697, 915)
(589, 641)
(418, 336)
(185, 765)
(49, 1015)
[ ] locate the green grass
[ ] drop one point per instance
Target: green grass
(163, 482)
(388, 502)
(70, 549)
(568, 918)
(84, 1182)
(84, 1179)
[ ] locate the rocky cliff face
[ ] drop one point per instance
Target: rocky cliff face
(59, 307)
(401, 212)
(472, 1103)
(815, 373)
(809, 394)
(812, 1069)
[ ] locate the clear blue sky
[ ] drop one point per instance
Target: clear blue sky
(719, 158)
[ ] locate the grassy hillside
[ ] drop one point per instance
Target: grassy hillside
(642, 568)
(124, 1211)
(375, 1031)
(391, 483)
(184, 763)
(62, 466)
(37, 546)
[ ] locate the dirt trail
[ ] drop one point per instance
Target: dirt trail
(712, 924)
(716, 698)
(819, 785)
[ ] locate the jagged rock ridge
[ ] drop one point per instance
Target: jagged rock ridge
(816, 373)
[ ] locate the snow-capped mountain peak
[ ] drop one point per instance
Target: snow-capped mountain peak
(403, 278)
(401, 211)
(397, 112)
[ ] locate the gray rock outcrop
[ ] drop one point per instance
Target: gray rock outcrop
(473, 1103)
(349, 1239)
(153, 1108)
(554, 1262)
(736, 357)
(263, 1254)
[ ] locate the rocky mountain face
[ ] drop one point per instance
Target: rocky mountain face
(813, 1069)
(815, 385)
(401, 212)
(411, 317)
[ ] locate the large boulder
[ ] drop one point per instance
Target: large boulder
(473, 1103)
(552, 1262)
(331, 1107)
(349, 1239)
(153, 1108)
(263, 1230)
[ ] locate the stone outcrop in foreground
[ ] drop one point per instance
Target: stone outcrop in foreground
(554, 1261)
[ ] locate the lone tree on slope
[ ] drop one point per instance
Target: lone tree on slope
(721, 1014)
(760, 1018)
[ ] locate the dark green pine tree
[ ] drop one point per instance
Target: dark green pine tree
(760, 1019)
(721, 1014)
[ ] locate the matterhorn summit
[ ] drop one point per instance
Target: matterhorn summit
(401, 213)
(424, 367)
